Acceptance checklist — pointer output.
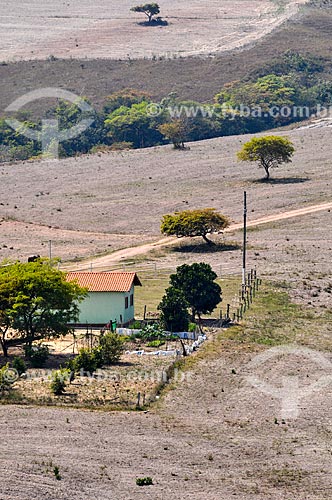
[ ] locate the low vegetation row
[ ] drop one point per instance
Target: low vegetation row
(130, 119)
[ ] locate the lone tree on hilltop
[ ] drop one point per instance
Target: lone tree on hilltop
(269, 151)
(149, 9)
(193, 223)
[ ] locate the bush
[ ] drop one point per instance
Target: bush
(155, 343)
(111, 347)
(151, 332)
(144, 481)
(7, 378)
(56, 472)
(37, 355)
(19, 365)
(135, 325)
(109, 351)
(59, 380)
(87, 360)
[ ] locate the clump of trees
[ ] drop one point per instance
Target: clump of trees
(192, 287)
(291, 83)
(269, 152)
(191, 223)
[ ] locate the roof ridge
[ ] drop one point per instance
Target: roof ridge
(108, 281)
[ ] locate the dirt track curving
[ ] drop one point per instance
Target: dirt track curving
(127, 253)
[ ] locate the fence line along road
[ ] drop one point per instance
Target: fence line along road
(152, 267)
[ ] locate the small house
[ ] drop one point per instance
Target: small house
(110, 296)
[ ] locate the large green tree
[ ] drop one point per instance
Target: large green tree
(199, 222)
(197, 282)
(36, 303)
(268, 152)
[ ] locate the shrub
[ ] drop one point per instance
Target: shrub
(19, 365)
(56, 472)
(37, 355)
(109, 351)
(86, 360)
(155, 343)
(7, 378)
(111, 348)
(144, 481)
(135, 325)
(59, 380)
(151, 332)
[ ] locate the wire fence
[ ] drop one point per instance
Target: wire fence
(152, 268)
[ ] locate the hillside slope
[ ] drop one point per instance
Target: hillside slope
(108, 29)
(191, 77)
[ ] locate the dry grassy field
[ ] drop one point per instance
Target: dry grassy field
(212, 434)
(100, 203)
(96, 200)
(107, 29)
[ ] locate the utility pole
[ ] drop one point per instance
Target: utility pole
(244, 251)
(50, 249)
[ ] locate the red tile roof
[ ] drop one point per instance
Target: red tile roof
(105, 282)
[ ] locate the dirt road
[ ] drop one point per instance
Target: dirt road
(127, 253)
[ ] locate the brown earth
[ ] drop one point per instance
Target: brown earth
(214, 437)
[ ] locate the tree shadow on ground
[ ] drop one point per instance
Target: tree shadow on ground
(202, 247)
(154, 22)
(283, 180)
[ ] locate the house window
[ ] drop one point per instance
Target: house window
(126, 302)
(132, 299)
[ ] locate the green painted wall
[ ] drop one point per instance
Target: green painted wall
(101, 307)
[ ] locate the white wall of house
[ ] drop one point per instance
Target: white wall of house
(101, 307)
